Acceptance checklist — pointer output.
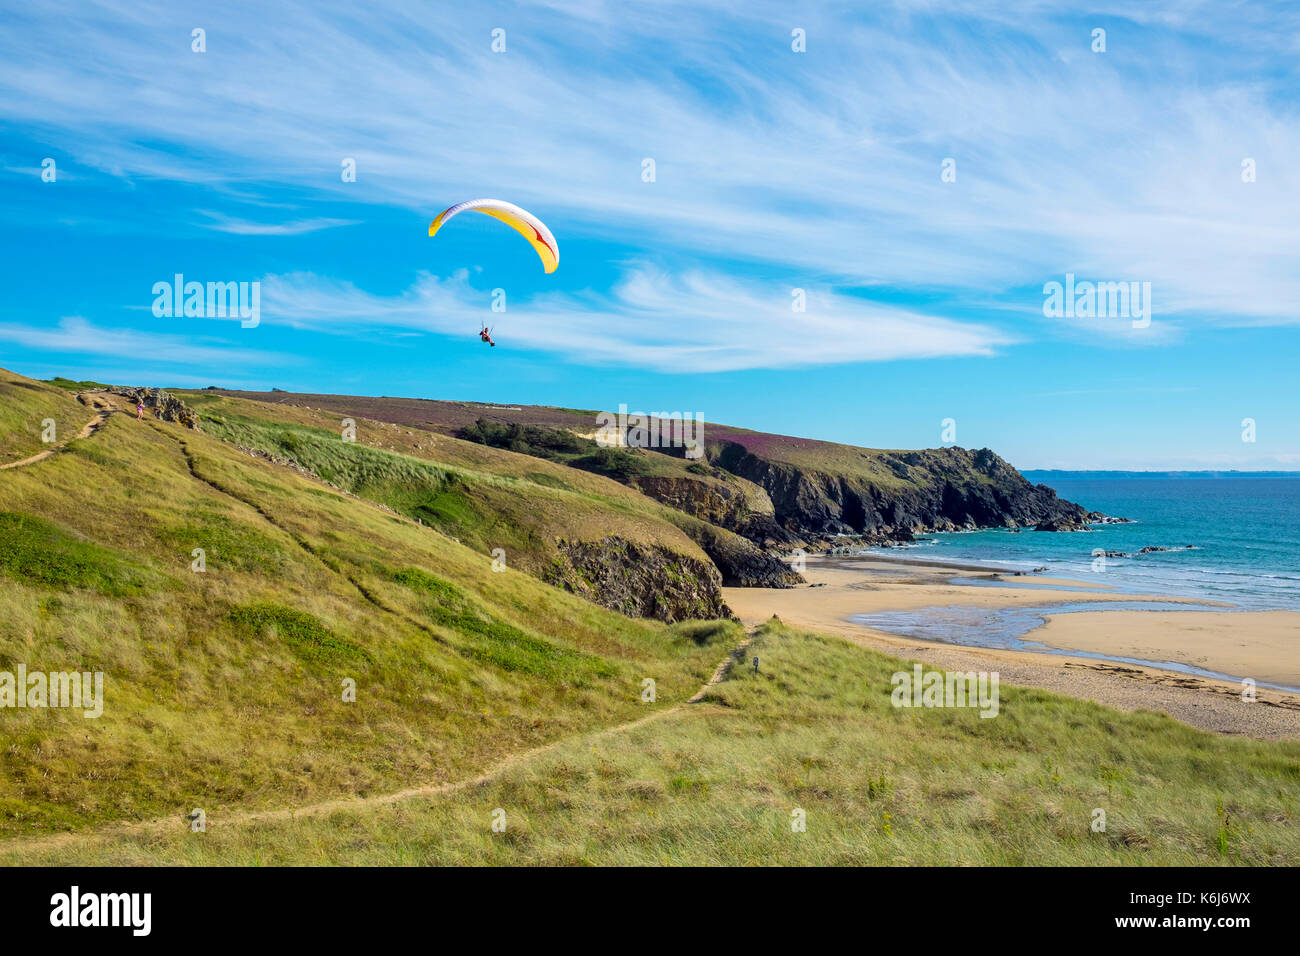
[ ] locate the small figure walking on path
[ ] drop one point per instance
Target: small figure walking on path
(139, 411)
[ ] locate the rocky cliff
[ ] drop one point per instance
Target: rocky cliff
(639, 580)
(896, 495)
(742, 562)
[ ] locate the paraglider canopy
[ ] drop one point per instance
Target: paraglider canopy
(528, 225)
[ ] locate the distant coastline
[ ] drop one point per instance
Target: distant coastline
(1040, 475)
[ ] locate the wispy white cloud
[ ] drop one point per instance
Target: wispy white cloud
(691, 322)
(159, 376)
(823, 165)
(243, 227)
(74, 334)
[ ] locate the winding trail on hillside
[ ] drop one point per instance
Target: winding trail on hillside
(163, 826)
(103, 410)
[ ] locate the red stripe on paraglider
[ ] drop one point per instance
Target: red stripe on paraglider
(541, 238)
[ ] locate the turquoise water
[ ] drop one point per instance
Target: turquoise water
(1244, 529)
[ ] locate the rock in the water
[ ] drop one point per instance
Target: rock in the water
(1096, 517)
(1062, 522)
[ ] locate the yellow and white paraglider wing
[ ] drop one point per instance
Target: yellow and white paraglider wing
(524, 222)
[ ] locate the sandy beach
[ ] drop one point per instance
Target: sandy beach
(1264, 646)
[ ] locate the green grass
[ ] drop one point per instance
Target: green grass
(704, 633)
(225, 542)
(27, 410)
(42, 553)
(548, 481)
(310, 639)
(814, 731)
(492, 641)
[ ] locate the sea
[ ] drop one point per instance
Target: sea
(1236, 536)
(1234, 540)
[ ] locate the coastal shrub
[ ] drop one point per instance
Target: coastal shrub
(613, 463)
(559, 445)
(72, 386)
(535, 440)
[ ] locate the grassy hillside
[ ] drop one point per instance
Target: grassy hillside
(536, 509)
(717, 783)
(562, 525)
(452, 418)
(224, 686)
(312, 435)
(25, 408)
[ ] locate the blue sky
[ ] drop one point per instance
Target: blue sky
(774, 170)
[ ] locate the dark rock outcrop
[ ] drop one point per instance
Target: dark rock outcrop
(1062, 523)
(713, 502)
(639, 580)
(941, 489)
(164, 405)
(742, 562)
